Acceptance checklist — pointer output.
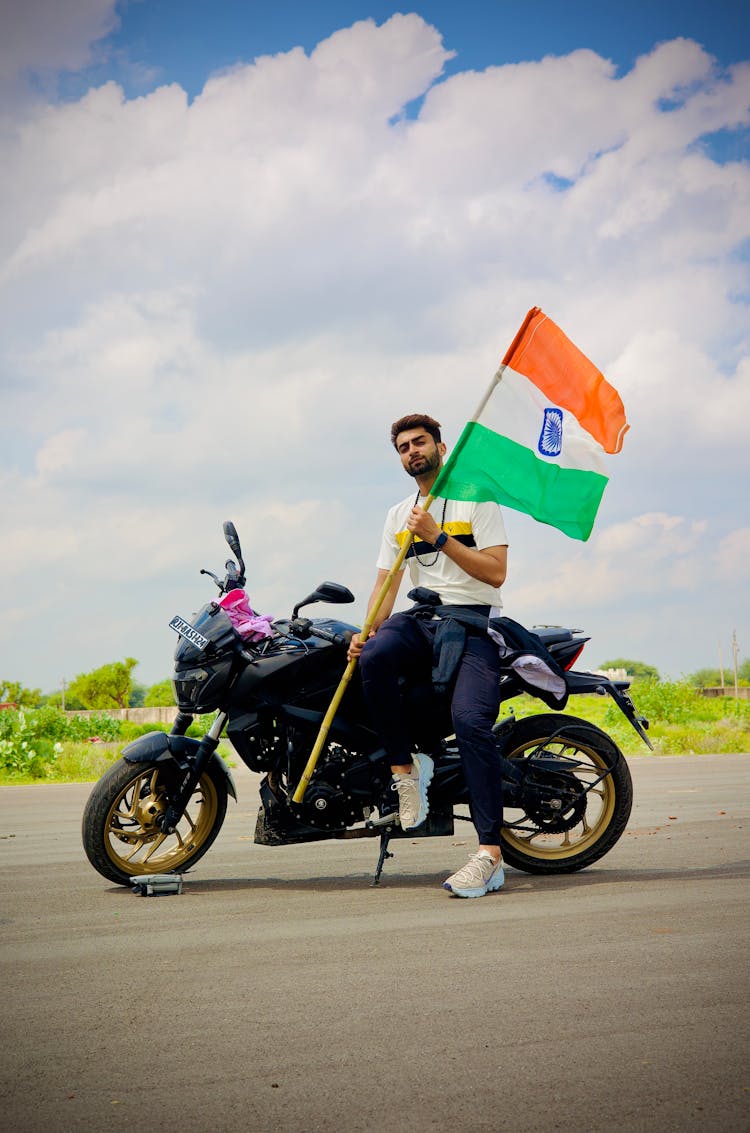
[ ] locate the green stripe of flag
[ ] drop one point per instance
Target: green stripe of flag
(486, 466)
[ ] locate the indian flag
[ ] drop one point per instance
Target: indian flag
(538, 439)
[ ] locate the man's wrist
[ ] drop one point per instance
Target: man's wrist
(441, 540)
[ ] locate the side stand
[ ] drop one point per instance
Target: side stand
(385, 838)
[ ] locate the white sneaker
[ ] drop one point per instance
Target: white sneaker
(413, 805)
(479, 876)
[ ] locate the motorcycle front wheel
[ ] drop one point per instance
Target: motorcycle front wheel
(121, 834)
(595, 793)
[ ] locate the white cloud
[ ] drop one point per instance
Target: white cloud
(39, 39)
(214, 309)
(45, 35)
(646, 555)
(58, 452)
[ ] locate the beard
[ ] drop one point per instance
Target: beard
(424, 464)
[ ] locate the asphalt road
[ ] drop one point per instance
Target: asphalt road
(279, 993)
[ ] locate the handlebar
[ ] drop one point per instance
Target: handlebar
(234, 578)
(304, 628)
(327, 635)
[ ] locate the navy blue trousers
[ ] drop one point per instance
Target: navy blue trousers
(402, 648)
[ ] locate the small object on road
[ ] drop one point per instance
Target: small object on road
(156, 884)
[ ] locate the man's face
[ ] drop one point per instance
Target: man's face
(420, 454)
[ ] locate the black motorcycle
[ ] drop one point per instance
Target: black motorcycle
(158, 809)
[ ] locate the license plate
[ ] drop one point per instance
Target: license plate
(190, 633)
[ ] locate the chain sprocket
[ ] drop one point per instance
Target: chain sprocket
(555, 801)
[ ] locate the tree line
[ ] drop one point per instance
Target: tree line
(110, 686)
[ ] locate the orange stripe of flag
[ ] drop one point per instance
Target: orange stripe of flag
(542, 353)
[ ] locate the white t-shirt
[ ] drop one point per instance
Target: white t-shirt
(474, 524)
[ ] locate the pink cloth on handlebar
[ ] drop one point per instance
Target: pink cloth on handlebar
(249, 625)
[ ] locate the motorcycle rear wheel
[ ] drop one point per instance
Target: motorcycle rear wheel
(121, 835)
(599, 820)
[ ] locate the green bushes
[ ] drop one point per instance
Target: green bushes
(129, 730)
(684, 721)
(79, 763)
(681, 720)
(31, 739)
(53, 724)
(677, 702)
(26, 757)
(47, 743)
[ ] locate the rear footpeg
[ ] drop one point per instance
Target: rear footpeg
(437, 824)
(382, 820)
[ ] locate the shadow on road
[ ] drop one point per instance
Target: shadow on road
(517, 881)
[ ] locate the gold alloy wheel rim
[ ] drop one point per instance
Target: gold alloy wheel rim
(600, 805)
(133, 840)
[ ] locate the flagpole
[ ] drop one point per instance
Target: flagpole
(455, 453)
(489, 391)
(349, 670)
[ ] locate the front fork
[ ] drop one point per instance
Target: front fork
(169, 820)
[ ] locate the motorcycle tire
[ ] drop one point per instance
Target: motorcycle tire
(542, 843)
(121, 836)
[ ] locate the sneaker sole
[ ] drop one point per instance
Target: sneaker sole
(495, 882)
(425, 778)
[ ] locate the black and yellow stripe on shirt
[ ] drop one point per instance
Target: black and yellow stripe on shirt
(457, 530)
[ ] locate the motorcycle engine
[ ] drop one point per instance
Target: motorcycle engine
(259, 739)
(325, 804)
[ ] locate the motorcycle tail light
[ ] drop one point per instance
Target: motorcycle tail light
(569, 664)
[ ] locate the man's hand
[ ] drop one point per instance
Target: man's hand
(421, 524)
(356, 645)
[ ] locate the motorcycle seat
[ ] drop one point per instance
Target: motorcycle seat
(551, 635)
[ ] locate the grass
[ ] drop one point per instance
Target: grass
(682, 723)
(81, 763)
(78, 763)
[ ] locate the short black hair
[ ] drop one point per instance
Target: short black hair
(416, 421)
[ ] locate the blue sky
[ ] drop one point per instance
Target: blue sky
(183, 40)
(238, 240)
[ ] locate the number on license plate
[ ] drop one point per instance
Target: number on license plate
(190, 633)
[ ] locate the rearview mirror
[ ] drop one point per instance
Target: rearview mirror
(233, 539)
(332, 592)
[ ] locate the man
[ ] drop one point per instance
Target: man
(459, 552)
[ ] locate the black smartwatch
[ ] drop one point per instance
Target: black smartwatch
(440, 542)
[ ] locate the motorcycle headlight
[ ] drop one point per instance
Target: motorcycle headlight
(200, 689)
